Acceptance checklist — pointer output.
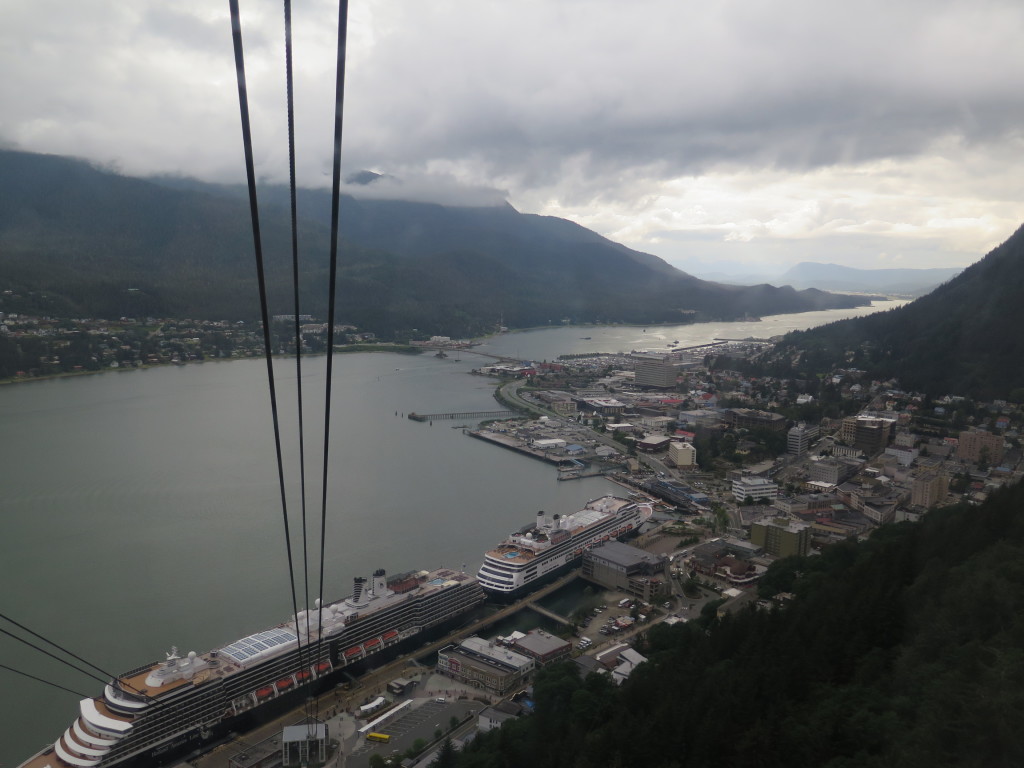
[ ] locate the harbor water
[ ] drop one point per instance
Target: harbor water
(141, 509)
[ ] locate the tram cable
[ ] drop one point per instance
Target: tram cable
(339, 104)
(290, 99)
(45, 652)
(42, 680)
(62, 649)
(243, 106)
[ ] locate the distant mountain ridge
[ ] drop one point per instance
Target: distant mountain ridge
(835, 277)
(965, 338)
(79, 241)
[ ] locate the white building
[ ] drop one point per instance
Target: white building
(758, 488)
(682, 454)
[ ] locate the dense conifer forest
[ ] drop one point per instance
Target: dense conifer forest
(903, 650)
(963, 338)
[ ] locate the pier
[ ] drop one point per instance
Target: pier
(471, 415)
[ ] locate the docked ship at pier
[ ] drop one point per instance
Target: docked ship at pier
(547, 547)
(164, 711)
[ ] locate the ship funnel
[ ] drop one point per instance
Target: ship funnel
(380, 584)
(540, 519)
(357, 589)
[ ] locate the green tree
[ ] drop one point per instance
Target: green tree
(447, 757)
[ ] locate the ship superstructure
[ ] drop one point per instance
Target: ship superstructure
(548, 546)
(161, 711)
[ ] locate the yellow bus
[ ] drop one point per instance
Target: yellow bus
(381, 737)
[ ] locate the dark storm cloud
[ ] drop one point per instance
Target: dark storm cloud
(591, 108)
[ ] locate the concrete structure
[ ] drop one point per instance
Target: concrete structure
(929, 489)
(833, 471)
(749, 418)
(484, 665)
(615, 565)
(304, 744)
(781, 537)
(682, 454)
(727, 558)
(653, 443)
(799, 439)
(542, 647)
(871, 434)
(491, 718)
(745, 484)
(655, 371)
(977, 444)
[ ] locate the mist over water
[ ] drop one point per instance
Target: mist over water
(141, 509)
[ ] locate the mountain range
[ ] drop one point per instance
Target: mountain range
(908, 283)
(76, 240)
(834, 277)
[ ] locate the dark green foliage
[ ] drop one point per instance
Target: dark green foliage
(79, 242)
(962, 338)
(904, 650)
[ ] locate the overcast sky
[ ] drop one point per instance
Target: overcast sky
(869, 133)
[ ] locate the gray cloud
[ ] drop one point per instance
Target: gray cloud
(566, 102)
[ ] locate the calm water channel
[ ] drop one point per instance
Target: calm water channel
(141, 510)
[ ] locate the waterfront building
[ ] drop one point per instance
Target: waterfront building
(485, 665)
(614, 565)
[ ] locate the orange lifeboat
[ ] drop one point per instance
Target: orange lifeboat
(352, 652)
(264, 693)
(391, 634)
(322, 667)
(371, 644)
(284, 684)
(302, 676)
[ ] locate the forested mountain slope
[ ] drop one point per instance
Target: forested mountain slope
(966, 337)
(904, 650)
(79, 241)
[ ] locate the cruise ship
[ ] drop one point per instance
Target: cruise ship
(164, 711)
(545, 548)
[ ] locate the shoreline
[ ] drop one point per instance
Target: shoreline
(399, 349)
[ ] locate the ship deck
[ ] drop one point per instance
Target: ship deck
(510, 554)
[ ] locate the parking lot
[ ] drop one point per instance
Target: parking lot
(421, 722)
